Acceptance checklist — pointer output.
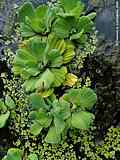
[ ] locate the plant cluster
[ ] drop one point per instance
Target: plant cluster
(51, 39)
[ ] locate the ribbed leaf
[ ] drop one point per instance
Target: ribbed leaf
(61, 109)
(37, 101)
(85, 24)
(36, 128)
(72, 8)
(71, 79)
(30, 84)
(59, 124)
(69, 53)
(55, 59)
(82, 120)
(59, 76)
(27, 10)
(52, 136)
(26, 31)
(62, 28)
(85, 97)
(36, 47)
(45, 81)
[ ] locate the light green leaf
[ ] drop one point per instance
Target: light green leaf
(9, 102)
(72, 8)
(59, 124)
(46, 80)
(61, 109)
(36, 128)
(55, 59)
(36, 47)
(44, 119)
(30, 84)
(32, 156)
(26, 31)
(13, 154)
(82, 120)
(87, 98)
(62, 28)
(59, 76)
(4, 118)
(53, 137)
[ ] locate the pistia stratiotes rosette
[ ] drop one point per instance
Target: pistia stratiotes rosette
(66, 20)
(59, 115)
(42, 64)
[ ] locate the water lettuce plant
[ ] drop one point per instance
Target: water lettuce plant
(58, 115)
(66, 20)
(42, 64)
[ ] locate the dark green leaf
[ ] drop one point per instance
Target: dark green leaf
(27, 10)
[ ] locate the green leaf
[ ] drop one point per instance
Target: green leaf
(41, 117)
(26, 10)
(44, 119)
(4, 118)
(72, 96)
(36, 47)
(59, 124)
(30, 84)
(55, 59)
(9, 102)
(36, 128)
(32, 156)
(82, 120)
(59, 76)
(13, 154)
(53, 137)
(46, 93)
(85, 24)
(92, 15)
(26, 31)
(61, 109)
(87, 98)
(2, 106)
(46, 80)
(69, 53)
(72, 8)
(37, 101)
(62, 28)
